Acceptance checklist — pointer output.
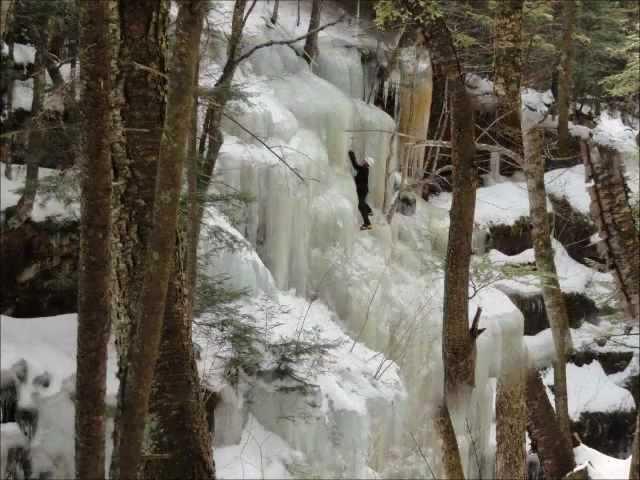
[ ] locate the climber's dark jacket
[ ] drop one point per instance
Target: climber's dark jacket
(362, 176)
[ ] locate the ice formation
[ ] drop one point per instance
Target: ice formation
(382, 287)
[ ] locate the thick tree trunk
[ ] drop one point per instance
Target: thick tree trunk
(180, 438)
(553, 299)
(311, 44)
(144, 41)
(511, 413)
(94, 278)
(565, 75)
(611, 211)
(159, 256)
(556, 456)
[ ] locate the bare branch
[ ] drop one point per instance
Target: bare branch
(253, 135)
(291, 41)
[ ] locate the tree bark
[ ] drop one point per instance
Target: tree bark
(177, 408)
(611, 211)
(565, 75)
(556, 456)
(311, 43)
(212, 140)
(450, 452)
(34, 135)
(458, 340)
(553, 299)
(511, 412)
(159, 256)
(143, 26)
(94, 278)
(508, 72)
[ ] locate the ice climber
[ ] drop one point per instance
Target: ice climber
(362, 187)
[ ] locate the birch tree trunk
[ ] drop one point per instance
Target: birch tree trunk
(553, 299)
(311, 43)
(612, 214)
(565, 75)
(94, 276)
(159, 255)
(511, 412)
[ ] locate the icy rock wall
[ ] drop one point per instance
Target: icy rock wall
(386, 285)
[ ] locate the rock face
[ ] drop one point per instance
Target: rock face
(39, 268)
(580, 308)
(608, 432)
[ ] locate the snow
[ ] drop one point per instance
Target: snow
(569, 183)
(12, 437)
(602, 338)
(23, 54)
(259, 454)
(590, 390)
(574, 277)
(601, 466)
(22, 94)
(48, 345)
(43, 208)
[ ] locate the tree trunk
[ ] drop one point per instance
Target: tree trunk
(34, 136)
(94, 278)
(159, 256)
(458, 341)
(274, 16)
(508, 72)
(611, 211)
(511, 412)
(450, 452)
(634, 469)
(553, 299)
(556, 456)
(565, 75)
(511, 416)
(311, 43)
(212, 140)
(144, 41)
(180, 435)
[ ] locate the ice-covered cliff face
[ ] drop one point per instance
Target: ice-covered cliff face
(383, 287)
